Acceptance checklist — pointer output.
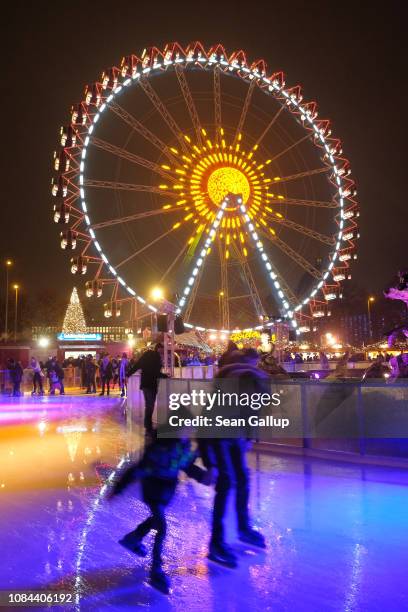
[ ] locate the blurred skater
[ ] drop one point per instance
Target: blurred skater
(158, 471)
(228, 457)
(226, 356)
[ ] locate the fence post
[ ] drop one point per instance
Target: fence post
(305, 418)
(360, 416)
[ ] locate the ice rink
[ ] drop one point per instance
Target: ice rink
(337, 533)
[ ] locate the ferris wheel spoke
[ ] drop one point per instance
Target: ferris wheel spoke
(294, 177)
(129, 187)
(141, 129)
(285, 248)
(217, 102)
(131, 157)
(224, 293)
(135, 217)
(292, 146)
(188, 98)
(244, 111)
(144, 248)
(302, 229)
(296, 202)
(270, 124)
(173, 263)
(162, 110)
(203, 252)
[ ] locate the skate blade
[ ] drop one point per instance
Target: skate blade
(218, 561)
(132, 548)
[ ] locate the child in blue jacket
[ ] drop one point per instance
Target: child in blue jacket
(158, 471)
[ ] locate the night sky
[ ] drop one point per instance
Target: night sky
(351, 60)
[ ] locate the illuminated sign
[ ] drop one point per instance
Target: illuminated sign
(80, 337)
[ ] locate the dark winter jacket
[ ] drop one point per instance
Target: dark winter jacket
(159, 469)
(16, 373)
(225, 357)
(59, 371)
(90, 369)
(105, 368)
(244, 378)
(150, 364)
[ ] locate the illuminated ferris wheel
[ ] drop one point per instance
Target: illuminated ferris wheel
(197, 172)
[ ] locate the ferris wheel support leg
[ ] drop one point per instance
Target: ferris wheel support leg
(205, 250)
(249, 279)
(282, 300)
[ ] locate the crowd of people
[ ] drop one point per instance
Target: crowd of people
(51, 370)
(107, 373)
(104, 372)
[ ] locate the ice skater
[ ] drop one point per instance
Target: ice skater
(38, 376)
(150, 364)
(158, 472)
(123, 373)
(228, 457)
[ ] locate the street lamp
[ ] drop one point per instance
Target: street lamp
(157, 294)
(16, 288)
(169, 309)
(8, 263)
(220, 308)
(370, 300)
(43, 342)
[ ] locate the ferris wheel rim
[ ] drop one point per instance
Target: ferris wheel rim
(269, 86)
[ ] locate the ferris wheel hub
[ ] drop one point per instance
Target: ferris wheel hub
(225, 180)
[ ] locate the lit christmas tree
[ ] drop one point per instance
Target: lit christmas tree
(74, 321)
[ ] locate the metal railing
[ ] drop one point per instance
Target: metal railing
(347, 419)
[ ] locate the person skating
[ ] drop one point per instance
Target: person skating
(16, 376)
(60, 373)
(228, 457)
(90, 374)
(37, 376)
(115, 371)
(226, 356)
(158, 471)
(123, 374)
(106, 372)
(269, 364)
(150, 364)
(56, 377)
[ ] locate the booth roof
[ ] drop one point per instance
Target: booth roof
(190, 339)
